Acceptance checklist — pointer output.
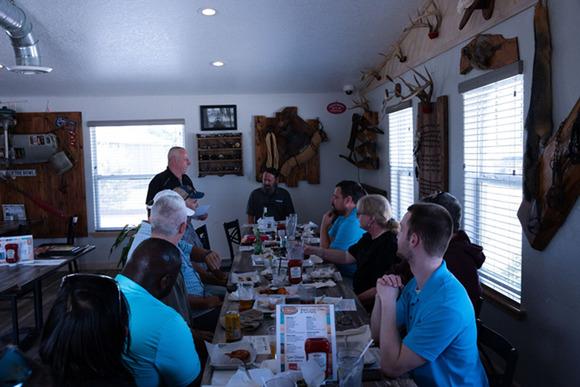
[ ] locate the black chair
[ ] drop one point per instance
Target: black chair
(233, 235)
(203, 236)
(477, 306)
(498, 355)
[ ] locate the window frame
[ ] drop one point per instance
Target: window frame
(98, 178)
(506, 301)
(398, 205)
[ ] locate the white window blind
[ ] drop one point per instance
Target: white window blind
(493, 151)
(125, 157)
(401, 161)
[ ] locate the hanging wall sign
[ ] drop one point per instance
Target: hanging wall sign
(336, 108)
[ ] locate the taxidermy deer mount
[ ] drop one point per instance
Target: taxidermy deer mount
(421, 89)
(469, 6)
(423, 20)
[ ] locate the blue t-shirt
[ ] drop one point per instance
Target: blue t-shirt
(441, 328)
(162, 351)
(346, 232)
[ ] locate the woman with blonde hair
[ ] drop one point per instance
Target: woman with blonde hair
(374, 253)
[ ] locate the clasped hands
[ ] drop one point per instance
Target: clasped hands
(388, 287)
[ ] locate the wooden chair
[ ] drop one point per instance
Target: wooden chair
(203, 236)
(495, 349)
(233, 235)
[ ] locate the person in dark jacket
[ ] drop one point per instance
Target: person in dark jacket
(463, 258)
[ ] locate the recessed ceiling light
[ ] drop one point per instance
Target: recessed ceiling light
(208, 11)
(217, 63)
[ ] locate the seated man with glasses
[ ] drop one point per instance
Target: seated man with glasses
(162, 351)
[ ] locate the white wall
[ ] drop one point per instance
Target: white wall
(548, 338)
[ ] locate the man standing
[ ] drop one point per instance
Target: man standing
(277, 200)
(440, 347)
(340, 227)
(161, 351)
(174, 176)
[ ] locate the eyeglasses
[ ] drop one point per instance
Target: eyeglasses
(80, 277)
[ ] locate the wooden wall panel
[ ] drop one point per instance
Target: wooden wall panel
(66, 191)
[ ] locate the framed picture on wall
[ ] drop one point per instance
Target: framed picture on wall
(218, 117)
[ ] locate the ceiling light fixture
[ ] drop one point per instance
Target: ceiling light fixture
(208, 11)
(217, 63)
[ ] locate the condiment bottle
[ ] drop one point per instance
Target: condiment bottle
(295, 270)
(318, 348)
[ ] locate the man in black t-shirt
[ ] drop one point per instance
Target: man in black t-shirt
(277, 200)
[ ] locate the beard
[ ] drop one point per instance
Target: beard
(269, 190)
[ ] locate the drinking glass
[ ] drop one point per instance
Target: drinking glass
(350, 368)
(271, 331)
(291, 222)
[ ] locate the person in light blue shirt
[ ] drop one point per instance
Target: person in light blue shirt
(340, 227)
(440, 347)
(162, 351)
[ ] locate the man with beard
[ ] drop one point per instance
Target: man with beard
(440, 347)
(277, 200)
(340, 227)
(161, 347)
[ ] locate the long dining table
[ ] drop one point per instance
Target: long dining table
(344, 320)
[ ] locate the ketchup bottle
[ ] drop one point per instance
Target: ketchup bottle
(295, 271)
(318, 348)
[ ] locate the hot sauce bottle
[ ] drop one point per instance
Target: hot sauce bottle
(295, 271)
(318, 348)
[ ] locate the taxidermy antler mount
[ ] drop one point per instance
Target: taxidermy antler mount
(422, 20)
(422, 89)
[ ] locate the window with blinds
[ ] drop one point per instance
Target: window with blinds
(493, 151)
(401, 161)
(125, 157)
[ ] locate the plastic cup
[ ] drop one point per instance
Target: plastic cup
(280, 382)
(350, 368)
(307, 294)
(271, 331)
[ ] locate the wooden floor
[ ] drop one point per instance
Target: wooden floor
(50, 287)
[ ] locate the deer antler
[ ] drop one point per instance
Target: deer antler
(420, 90)
(363, 103)
(369, 73)
(422, 20)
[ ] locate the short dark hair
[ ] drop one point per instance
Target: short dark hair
(85, 334)
(434, 226)
(352, 189)
(450, 203)
(272, 171)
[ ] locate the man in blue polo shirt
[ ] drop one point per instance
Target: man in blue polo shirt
(161, 350)
(340, 227)
(440, 347)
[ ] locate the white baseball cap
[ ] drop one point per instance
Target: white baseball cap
(168, 192)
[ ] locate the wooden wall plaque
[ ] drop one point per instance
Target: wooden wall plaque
(431, 150)
(66, 192)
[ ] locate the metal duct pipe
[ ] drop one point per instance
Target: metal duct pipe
(19, 29)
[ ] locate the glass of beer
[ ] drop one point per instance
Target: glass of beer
(246, 294)
(271, 331)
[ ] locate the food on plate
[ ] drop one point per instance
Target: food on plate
(241, 354)
(274, 291)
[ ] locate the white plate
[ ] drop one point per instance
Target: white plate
(271, 301)
(250, 277)
(221, 361)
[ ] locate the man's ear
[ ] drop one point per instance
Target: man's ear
(164, 281)
(414, 240)
(182, 227)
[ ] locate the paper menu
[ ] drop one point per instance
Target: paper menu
(297, 323)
